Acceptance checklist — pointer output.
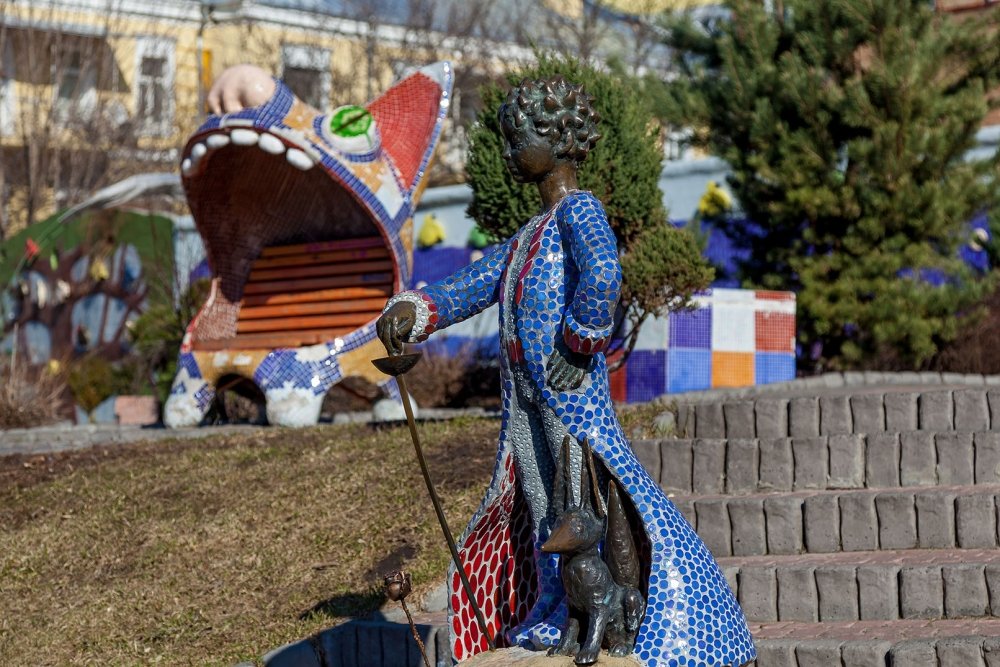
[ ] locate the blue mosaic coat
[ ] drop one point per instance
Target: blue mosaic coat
(566, 293)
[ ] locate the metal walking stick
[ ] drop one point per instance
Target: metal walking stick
(397, 365)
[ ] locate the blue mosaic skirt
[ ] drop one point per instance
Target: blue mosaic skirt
(692, 617)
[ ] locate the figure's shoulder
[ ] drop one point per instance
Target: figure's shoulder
(580, 204)
(581, 198)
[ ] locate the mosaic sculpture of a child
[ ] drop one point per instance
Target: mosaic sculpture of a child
(557, 282)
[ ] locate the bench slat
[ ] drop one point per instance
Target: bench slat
(318, 308)
(306, 322)
(270, 287)
(322, 246)
(341, 269)
(335, 294)
(268, 341)
(313, 258)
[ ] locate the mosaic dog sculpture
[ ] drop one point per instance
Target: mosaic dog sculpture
(307, 221)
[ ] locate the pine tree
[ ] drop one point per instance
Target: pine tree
(661, 265)
(846, 123)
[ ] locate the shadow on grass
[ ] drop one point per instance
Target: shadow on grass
(346, 605)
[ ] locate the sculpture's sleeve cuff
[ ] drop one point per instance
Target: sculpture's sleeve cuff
(586, 340)
(427, 314)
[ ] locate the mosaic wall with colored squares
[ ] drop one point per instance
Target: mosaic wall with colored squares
(733, 338)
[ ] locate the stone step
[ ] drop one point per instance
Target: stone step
(868, 586)
(852, 461)
(360, 643)
(860, 411)
(950, 517)
(834, 382)
(904, 643)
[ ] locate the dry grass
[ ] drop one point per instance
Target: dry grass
(443, 379)
(975, 349)
(638, 420)
(213, 551)
(28, 398)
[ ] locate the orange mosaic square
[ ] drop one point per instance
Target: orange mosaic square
(732, 369)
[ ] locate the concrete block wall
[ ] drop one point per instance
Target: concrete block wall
(876, 411)
(857, 525)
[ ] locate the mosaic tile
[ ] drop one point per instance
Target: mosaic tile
(691, 329)
(647, 375)
(773, 367)
(688, 369)
(732, 369)
(733, 323)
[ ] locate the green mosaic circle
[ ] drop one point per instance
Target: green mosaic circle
(351, 121)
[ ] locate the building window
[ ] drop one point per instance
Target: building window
(152, 89)
(8, 103)
(306, 71)
(8, 107)
(69, 77)
(75, 83)
(154, 86)
(307, 84)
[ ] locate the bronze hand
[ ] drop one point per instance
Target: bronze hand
(394, 326)
(567, 369)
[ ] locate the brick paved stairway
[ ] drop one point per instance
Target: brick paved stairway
(857, 529)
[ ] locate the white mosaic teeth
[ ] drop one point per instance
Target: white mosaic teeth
(197, 152)
(271, 144)
(217, 140)
(242, 136)
(299, 159)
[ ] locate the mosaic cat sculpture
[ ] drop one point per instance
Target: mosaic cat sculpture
(307, 220)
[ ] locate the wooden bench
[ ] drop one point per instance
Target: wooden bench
(310, 293)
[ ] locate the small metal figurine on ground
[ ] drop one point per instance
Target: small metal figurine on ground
(397, 586)
(557, 281)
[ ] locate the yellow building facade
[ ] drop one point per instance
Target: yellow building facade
(93, 91)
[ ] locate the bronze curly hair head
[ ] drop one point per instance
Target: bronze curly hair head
(558, 110)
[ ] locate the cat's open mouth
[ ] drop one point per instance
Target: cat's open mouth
(307, 216)
(297, 259)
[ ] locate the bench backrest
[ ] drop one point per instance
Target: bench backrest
(310, 293)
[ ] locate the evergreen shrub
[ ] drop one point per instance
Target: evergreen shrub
(661, 265)
(846, 124)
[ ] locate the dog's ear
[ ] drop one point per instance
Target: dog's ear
(589, 475)
(584, 476)
(560, 491)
